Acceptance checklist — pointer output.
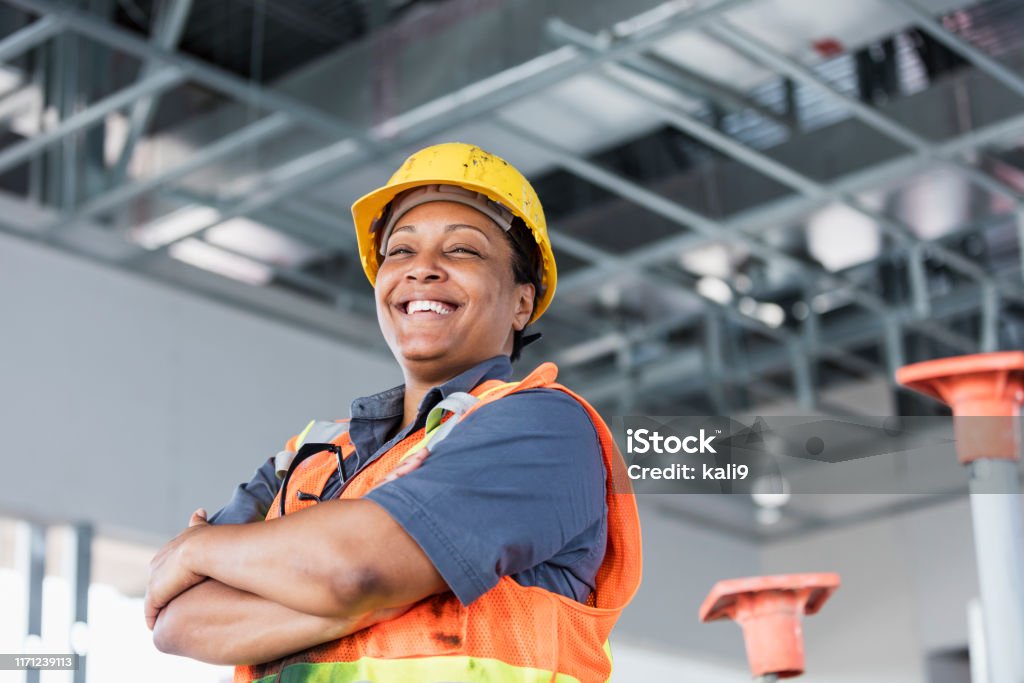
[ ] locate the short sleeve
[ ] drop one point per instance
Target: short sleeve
(251, 501)
(515, 485)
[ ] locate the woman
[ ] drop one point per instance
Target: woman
(458, 527)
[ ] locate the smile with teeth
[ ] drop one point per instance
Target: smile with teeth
(427, 305)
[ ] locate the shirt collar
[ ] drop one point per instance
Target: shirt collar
(388, 404)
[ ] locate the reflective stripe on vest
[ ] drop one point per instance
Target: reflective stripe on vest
(419, 670)
(454, 407)
(512, 633)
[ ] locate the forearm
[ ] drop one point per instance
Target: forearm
(336, 559)
(219, 624)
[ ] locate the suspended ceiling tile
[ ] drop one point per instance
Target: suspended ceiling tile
(260, 242)
(793, 27)
(583, 114)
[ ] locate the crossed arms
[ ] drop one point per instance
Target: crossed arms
(250, 593)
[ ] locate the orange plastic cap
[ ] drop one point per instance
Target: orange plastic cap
(983, 385)
(769, 610)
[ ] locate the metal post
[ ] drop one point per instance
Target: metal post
(999, 544)
(80, 573)
(68, 56)
(976, 651)
(32, 564)
(919, 281)
(715, 361)
(1019, 214)
(989, 318)
(992, 385)
(803, 385)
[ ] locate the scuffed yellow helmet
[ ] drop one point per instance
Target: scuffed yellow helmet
(467, 166)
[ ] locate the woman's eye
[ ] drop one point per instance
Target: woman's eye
(399, 250)
(464, 250)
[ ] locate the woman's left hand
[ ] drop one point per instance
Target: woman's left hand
(410, 463)
(169, 572)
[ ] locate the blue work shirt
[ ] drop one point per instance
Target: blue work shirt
(516, 489)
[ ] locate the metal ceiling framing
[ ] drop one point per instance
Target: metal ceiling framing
(624, 60)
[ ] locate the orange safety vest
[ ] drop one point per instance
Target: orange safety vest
(512, 633)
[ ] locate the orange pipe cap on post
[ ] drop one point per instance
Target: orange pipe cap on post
(983, 385)
(769, 610)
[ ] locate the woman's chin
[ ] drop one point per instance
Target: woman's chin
(424, 353)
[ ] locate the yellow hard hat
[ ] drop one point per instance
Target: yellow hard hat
(467, 166)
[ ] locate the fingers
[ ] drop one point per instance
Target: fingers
(408, 465)
(151, 611)
(198, 517)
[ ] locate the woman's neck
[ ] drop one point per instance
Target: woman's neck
(413, 397)
(418, 383)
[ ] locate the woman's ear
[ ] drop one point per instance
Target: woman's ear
(525, 297)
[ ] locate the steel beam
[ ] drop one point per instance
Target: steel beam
(341, 299)
(654, 66)
(222, 81)
(790, 209)
(679, 214)
(713, 342)
(688, 218)
(170, 24)
(472, 102)
(812, 189)
(989, 319)
(446, 112)
(26, 38)
(16, 154)
(252, 134)
(758, 50)
(924, 19)
(1019, 214)
(290, 178)
(588, 252)
(682, 372)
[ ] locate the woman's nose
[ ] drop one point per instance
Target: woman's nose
(424, 267)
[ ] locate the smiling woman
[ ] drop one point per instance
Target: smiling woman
(446, 292)
(458, 527)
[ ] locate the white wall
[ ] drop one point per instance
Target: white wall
(868, 631)
(940, 547)
(681, 564)
(145, 400)
(906, 582)
(641, 664)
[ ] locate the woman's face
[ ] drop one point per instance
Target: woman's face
(446, 297)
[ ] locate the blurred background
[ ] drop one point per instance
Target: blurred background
(757, 206)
